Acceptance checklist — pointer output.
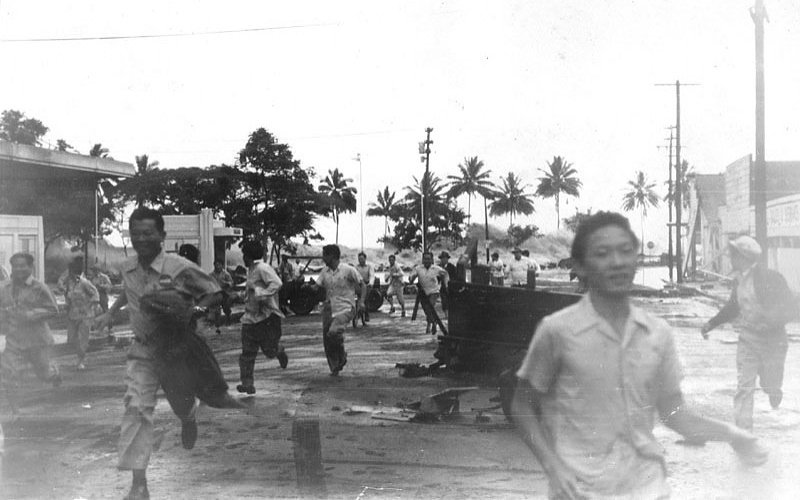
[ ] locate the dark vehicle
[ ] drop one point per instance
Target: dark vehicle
(490, 327)
(301, 297)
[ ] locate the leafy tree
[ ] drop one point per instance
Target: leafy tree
(574, 221)
(470, 181)
(640, 195)
(98, 151)
(559, 179)
(445, 219)
(16, 127)
(520, 234)
(511, 199)
(277, 201)
(340, 195)
(383, 208)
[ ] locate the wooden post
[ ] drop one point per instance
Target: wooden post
(308, 456)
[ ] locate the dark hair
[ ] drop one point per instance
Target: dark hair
(332, 250)
(427, 253)
(22, 255)
(252, 249)
(526, 252)
(189, 252)
(393, 256)
(75, 266)
(143, 213)
(594, 222)
(362, 253)
(495, 254)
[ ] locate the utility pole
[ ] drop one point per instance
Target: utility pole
(759, 193)
(425, 147)
(670, 200)
(678, 175)
(678, 183)
(360, 197)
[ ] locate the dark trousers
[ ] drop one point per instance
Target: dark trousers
(103, 299)
(264, 335)
(215, 315)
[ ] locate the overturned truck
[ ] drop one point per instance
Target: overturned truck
(490, 327)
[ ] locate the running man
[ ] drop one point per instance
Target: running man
(429, 276)
(151, 270)
(597, 374)
(342, 284)
(26, 304)
(394, 275)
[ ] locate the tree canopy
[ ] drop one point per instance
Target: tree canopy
(384, 207)
(16, 127)
(512, 199)
(339, 194)
(445, 219)
(559, 178)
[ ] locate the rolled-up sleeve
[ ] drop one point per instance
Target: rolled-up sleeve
(540, 365)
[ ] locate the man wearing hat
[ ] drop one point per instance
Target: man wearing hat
(760, 304)
(518, 268)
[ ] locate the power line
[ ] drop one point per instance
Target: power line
(162, 35)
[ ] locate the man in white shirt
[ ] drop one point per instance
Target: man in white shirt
(261, 322)
(497, 270)
(342, 284)
(367, 273)
(394, 275)
(596, 376)
(518, 268)
(429, 276)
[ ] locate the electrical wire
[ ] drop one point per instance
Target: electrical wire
(162, 35)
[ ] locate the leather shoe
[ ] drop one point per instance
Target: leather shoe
(775, 400)
(249, 389)
(283, 359)
(188, 433)
(138, 492)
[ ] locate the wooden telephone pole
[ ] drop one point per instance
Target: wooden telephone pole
(678, 176)
(425, 179)
(759, 189)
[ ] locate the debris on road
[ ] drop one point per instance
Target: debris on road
(430, 408)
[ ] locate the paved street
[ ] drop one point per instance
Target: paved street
(63, 444)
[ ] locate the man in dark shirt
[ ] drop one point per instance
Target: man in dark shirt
(761, 304)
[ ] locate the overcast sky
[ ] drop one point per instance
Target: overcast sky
(514, 83)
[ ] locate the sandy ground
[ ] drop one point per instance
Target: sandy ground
(63, 443)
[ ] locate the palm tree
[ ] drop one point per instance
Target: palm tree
(641, 195)
(560, 179)
(143, 167)
(470, 181)
(438, 204)
(383, 208)
(341, 197)
(98, 151)
(512, 199)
